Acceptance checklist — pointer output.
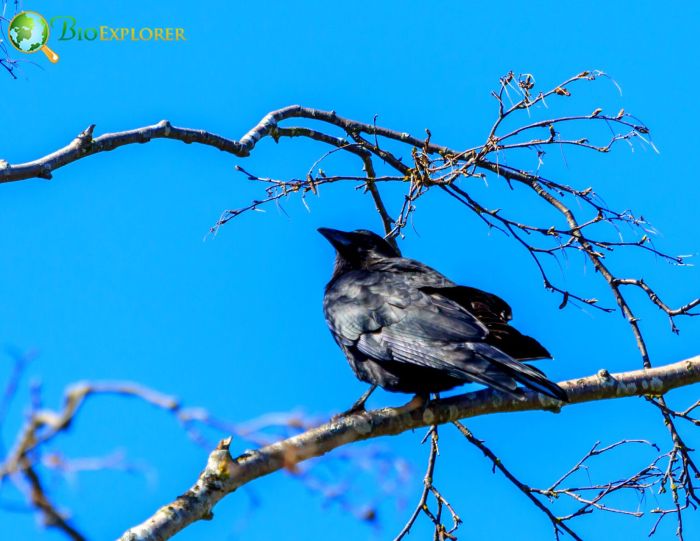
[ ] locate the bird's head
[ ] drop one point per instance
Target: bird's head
(357, 248)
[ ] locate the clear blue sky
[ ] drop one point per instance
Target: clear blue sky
(104, 270)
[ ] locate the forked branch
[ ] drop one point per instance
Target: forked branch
(225, 474)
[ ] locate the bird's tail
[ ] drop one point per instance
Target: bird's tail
(524, 374)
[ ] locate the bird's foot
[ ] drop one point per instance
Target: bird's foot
(358, 407)
(354, 410)
(419, 401)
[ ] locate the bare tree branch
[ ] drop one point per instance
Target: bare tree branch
(51, 516)
(224, 474)
(594, 231)
(440, 531)
(30, 457)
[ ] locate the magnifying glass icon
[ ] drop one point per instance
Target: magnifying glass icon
(29, 32)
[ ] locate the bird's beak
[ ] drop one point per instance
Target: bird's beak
(339, 239)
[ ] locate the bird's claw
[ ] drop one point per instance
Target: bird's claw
(417, 402)
(356, 409)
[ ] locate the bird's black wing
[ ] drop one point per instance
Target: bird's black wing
(386, 317)
(365, 302)
(495, 313)
(489, 309)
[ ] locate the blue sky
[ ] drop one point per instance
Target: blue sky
(105, 271)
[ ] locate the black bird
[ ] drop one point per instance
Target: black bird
(407, 328)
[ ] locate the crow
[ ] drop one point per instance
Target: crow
(405, 327)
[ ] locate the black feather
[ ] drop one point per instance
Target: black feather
(406, 327)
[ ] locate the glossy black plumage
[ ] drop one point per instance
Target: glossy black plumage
(407, 328)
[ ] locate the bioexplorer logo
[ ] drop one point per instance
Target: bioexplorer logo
(66, 28)
(28, 32)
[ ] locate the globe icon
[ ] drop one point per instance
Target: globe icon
(28, 32)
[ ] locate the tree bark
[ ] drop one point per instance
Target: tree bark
(224, 474)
